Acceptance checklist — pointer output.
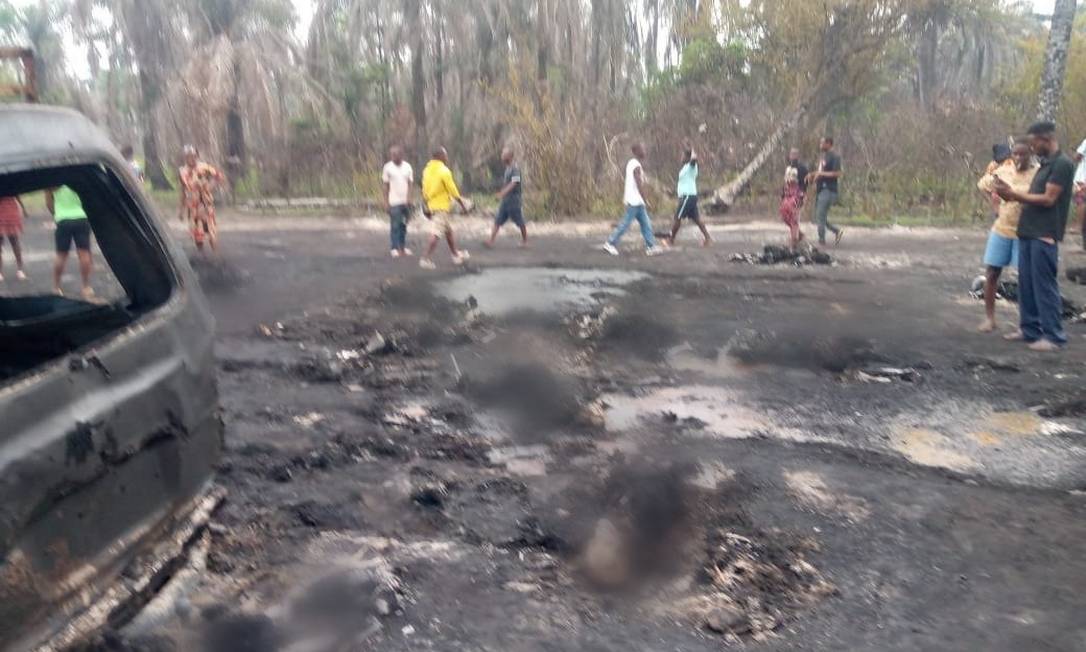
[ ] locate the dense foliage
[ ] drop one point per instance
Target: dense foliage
(916, 91)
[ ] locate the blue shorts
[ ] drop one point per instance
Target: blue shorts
(509, 213)
(1001, 252)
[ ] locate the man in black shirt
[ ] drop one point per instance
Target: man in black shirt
(825, 180)
(1040, 230)
(801, 169)
(510, 199)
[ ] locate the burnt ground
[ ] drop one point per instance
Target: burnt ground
(711, 454)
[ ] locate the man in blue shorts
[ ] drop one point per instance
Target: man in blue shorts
(1002, 250)
(687, 192)
(511, 197)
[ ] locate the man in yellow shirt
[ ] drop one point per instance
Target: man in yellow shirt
(438, 193)
(1002, 250)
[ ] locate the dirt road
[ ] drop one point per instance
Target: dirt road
(554, 449)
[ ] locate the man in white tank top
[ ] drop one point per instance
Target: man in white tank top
(636, 207)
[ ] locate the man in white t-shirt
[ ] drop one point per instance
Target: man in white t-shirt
(398, 178)
(636, 207)
(1080, 188)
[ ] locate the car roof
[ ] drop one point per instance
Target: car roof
(39, 136)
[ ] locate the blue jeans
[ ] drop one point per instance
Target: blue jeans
(825, 199)
(642, 216)
(397, 217)
(1039, 303)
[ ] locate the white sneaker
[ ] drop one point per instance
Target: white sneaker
(21, 276)
(461, 258)
(609, 248)
(655, 251)
(395, 253)
(426, 263)
(407, 252)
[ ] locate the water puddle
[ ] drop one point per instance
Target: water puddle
(713, 410)
(504, 290)
(685, 357)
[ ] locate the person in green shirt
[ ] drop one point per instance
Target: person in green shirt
(72, 228)
(688, 196)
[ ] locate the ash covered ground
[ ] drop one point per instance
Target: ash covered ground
(554, 449)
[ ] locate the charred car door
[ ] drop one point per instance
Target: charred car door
(109, 424)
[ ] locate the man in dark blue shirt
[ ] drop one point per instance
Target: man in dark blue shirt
(511, 197)
(826, 187)
(1040, 230)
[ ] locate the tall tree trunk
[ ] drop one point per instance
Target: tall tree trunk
(418, 79)
(653, 41)
(724, 197)
(386, 83)
(1059, 43)
(926, 65)
(153, 170)
(439, 53)
(543, 34)
(597, 22)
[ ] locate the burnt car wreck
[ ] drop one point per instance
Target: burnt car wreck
(109, 424)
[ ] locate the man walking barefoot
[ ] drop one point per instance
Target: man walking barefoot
(1002, 249)
(636, 207)
(511, 196)
(687, 192)
(438, 193)
(826, 189)
(1040, 230)
(398, 177)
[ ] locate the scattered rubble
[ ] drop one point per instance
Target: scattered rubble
(886, 375)
(1008, 291)
(805, 254)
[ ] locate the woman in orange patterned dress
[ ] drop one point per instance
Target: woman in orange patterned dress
(11, 228)
(199, 181)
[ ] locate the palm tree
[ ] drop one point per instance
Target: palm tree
(241, 83)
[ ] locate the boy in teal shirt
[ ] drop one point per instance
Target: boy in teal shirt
(688, 196)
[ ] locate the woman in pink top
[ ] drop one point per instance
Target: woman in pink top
(11, 227)
(791, 201)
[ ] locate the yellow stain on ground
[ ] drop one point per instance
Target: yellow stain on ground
(1022, 424)
(1000, 426)
(985, 438)
(931, 448)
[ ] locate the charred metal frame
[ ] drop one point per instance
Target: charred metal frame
(107, 450)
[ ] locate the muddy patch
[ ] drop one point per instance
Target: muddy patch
(643, 334)
(677, 540)
(812, 491)
(835, 354)
(507, 290)
(533, 399)
(217, 275)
